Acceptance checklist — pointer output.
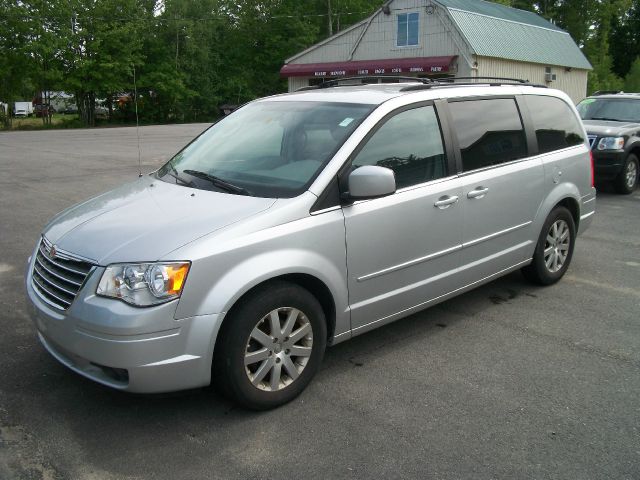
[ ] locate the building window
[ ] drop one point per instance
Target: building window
(408, 29)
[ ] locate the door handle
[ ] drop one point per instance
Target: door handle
(445, 202)
(478, 192)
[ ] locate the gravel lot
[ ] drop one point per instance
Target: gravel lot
(507, 381)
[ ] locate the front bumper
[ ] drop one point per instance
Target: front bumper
(608, 164)
(144, 350)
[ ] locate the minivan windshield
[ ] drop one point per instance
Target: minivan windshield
(612, 109)
(266, 149)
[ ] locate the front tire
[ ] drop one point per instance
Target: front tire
(554, 249)
(270, 346)
(626, 181)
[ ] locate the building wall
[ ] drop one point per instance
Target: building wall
(573, 83)
(336, 50)
(438, 37)
(298, 82)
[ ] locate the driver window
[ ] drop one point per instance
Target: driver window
(410, 144)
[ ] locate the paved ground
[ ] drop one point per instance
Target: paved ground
(508, 381)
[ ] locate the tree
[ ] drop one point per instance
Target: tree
(625, 39)
(632, 80)
(104, 46)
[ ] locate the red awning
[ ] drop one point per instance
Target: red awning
(424, 65)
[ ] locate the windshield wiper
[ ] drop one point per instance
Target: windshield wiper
(177, 176)
(218, 182)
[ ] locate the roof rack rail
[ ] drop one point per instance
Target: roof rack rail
(363, 80)
(456, 81)
(606, 92)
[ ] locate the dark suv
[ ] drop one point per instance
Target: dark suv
(612, 121)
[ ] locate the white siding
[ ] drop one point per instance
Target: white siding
(573, 82)
(336, 50)
(297, 82)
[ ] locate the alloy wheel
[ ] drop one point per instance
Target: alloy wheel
(278, 349)
(631, 175)
(556, 247)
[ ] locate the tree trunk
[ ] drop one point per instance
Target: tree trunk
(92, 108)
(110, 106)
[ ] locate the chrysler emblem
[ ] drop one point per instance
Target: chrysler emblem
(53, 252)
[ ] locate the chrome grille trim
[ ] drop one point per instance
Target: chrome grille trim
(57, 279)
(57, 275)
(58, 263)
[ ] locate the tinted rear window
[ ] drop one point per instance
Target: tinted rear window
(490, 132)
(555, 123)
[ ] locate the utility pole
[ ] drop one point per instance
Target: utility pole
(329, 17)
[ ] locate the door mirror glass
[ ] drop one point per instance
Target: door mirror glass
(371, 181)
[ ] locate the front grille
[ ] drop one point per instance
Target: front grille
(57, 278)
(592, 140)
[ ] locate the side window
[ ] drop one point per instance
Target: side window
(410, 144)
(490, 132)
(556, 125)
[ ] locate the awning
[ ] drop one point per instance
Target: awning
(424, 65)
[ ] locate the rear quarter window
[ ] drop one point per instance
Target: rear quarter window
(556, 125)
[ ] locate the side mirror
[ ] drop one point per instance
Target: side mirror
(371, 181)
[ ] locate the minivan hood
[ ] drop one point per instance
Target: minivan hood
(145, 220)
(603, 128)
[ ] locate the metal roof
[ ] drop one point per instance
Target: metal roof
(493, 30)
(496, 10)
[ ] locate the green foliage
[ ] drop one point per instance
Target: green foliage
(625, 39)
(632, 80)
(184, 59)
(188, 57)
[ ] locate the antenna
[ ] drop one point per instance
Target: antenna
(135, 93)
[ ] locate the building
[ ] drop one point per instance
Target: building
(435, 38)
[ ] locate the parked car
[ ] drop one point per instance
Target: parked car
(612, 121)
(101, 111)
(302, 220)
(69, 108)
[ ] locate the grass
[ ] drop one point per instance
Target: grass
(58, 120)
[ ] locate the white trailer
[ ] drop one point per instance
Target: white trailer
(22, 109)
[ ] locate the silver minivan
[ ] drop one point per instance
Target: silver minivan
(304, 219)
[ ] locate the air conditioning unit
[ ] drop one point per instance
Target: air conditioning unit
(550, 77)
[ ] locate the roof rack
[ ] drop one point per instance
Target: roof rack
(363, 80)
(606, 92)
(422, 83)
(456, 81)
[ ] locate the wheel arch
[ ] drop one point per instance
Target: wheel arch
(311, 283)
(572, 205)
(566, 195)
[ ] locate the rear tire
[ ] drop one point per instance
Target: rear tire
(627, 180)
(270, 346)
(554, 250)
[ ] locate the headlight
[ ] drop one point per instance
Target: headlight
(611, 143)
(144, 284)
